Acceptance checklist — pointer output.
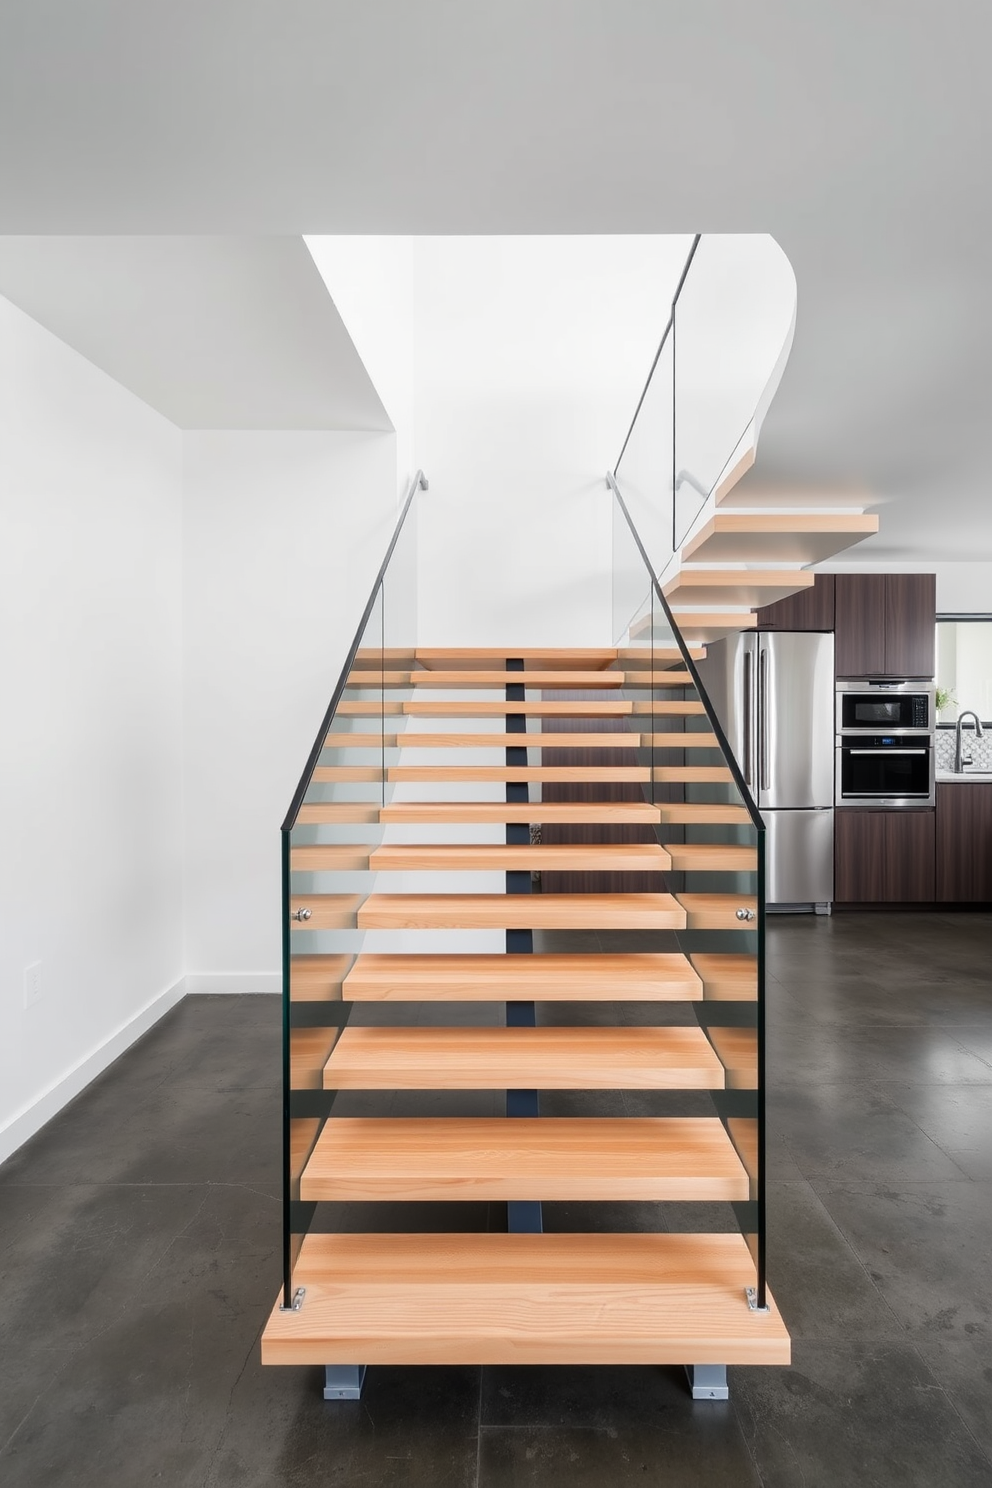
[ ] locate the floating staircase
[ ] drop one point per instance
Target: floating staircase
(428, 819)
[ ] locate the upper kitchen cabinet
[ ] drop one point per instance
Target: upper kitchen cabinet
(810, 609)
(884, 624)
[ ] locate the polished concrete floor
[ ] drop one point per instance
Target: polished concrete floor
(138, 1259)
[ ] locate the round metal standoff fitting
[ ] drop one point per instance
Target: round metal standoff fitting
(745, 914)
(304, 914)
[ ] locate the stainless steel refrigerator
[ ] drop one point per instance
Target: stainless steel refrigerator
(774, 694)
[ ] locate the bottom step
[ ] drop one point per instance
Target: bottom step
(525, 1299)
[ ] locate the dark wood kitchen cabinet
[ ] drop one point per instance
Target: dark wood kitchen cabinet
(964, 843)
(810, 609)
(883, 857)
(884, 624)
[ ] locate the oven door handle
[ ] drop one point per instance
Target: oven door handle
(882, 753)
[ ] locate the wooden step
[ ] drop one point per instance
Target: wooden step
(713, 857)
(315, 813)
(370, 678)
(519, 774)
(657, 708)
(503, 679)
(744, 588)
(370, 707)
(455, 740)
(330, 857)
(437, 1158)
(512, 912)
(778, 536)
(679, 741)
(718, 911)
(309, 1049)
(633, 977)
(701, 813)
(532, 707)
(534, 658)
(693, 774)
(699, 618)
(737, 1049)
(327, 911)
(525, 1299)
(533, 1059)
(615, 857)
(614, 813)
(705, 626)
(726, 978)
(340, 774)
(318, 978)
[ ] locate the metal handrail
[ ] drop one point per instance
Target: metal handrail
(419, 482)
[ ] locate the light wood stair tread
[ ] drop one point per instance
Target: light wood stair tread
(326, 857)
(498, 677)
(580, 857)
(315, 813)
(726, 977)
(562, 812)
(705, 626)
(778, 536)
(583, 1058)
(521, 774)
(534, 707)
(738, 1052)
(327, 911)
(456, 740)
(309, 1049)
(318, 978)
(718, 911)
(712, 857)
(745, 587)
(516, 911)
(534, 658)
(525, 1299)
(702, 813)
(631, 977)
(508, 1158)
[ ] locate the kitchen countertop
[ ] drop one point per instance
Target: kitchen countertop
(951, 777)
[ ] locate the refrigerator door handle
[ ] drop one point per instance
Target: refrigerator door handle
(749, 719)
(763, 718)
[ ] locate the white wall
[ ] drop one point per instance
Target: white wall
(90, 682)
(283, 536)
(371, 282)
(530, 357)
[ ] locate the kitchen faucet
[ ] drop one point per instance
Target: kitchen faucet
(960, 763)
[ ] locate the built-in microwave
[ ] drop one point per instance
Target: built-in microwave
(868, 707)
(889, 770)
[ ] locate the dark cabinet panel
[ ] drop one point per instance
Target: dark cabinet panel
(883, 857)
(810, 609)
(885, 624)
(859, 624)
(910, 624)
(964, 843)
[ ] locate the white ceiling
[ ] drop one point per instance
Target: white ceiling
(857, 134)
(214, 332)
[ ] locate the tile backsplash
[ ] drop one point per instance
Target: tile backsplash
(979, 750)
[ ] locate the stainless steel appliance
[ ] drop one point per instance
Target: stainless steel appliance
(890, 770)
(774, 695)
(885, 706)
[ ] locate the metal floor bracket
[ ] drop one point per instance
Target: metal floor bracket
(751, 1294)
(344, 1381)
(708, 1381)
(297, 1301)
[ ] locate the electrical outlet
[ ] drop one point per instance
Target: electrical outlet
(32, 984)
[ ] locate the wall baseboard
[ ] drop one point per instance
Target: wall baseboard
(30, 1120)
(238, 982)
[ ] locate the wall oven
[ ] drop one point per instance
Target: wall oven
(889, 770)
(869, 707)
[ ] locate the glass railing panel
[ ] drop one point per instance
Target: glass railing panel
(399, 634)
(732, 322)
(644, 468)
(713, 833)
